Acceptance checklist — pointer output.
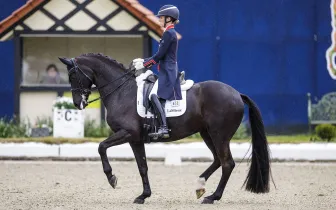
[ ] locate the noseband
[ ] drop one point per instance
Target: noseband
(84, 91)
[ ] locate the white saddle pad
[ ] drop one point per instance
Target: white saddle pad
(173, 108)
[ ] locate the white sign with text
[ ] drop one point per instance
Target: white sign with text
(69, 123)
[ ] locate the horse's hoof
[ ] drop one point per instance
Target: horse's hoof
(113, 181)
(200, 193)
(207, 201)
(139, 201)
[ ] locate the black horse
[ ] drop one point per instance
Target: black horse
(214, 109)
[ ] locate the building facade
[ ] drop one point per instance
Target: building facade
(44, 30)
(274, 51)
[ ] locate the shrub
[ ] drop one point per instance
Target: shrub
(241, 132)
(9, 129)
(93, 129)
(195, 136)
(326, 131)
(45, 122)
(64, 103)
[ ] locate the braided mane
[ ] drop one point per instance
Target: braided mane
(105, 56)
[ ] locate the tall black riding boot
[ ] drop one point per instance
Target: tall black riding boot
(159, 106)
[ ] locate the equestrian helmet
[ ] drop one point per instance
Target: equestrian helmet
(169, 10)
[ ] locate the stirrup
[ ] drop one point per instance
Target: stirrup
(164, 132)
(159, 134)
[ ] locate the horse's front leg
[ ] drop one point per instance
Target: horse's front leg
(117, 138)
(140, 156)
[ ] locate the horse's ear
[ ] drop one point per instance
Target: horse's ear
(66, 61)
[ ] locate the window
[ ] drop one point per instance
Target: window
(41, 66)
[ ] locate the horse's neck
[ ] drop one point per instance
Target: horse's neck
(105, 75)
(120, 91)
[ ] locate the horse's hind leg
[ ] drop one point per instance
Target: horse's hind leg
(200, 190)
(227, 163)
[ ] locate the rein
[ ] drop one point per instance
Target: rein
(83, 90)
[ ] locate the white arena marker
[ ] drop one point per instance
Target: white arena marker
(173, 158)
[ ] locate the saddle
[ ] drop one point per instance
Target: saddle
(148, 86)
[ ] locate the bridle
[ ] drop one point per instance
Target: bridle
(84, 91)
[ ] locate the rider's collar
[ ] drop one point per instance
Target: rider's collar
(169, 27)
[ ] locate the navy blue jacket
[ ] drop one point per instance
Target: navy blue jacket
(169, 87)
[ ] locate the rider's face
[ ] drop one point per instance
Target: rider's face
(162, 21)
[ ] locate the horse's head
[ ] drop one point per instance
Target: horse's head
(81, 80)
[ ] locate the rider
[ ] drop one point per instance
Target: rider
(168, 80)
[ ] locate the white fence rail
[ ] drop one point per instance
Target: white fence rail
(306, 151)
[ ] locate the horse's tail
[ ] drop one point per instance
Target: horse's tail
(257, 180)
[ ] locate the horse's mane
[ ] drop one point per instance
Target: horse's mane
(106, 57)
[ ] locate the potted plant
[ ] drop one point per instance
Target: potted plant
(43, 127)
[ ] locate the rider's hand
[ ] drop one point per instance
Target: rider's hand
(139, 65)
(137, 60)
